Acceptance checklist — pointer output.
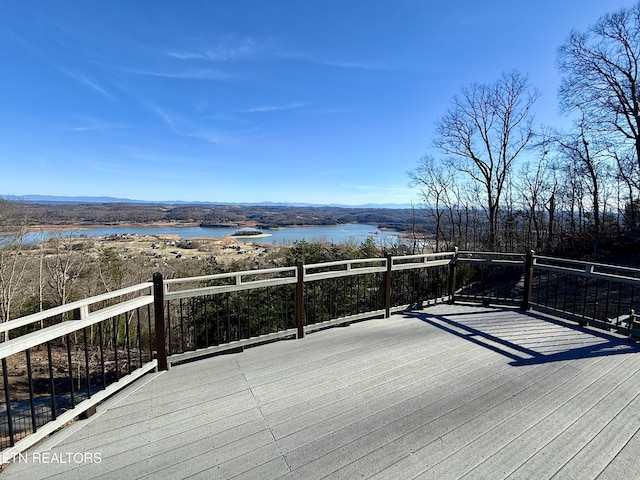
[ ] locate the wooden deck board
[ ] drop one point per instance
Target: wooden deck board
(384, 394)
(625, 463)
(474, 450)
(427, 426)
(452, 391)
(541, 423)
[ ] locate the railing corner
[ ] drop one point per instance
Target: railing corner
(528, 280)
(299, 298)
(452, 276)
(387, 286)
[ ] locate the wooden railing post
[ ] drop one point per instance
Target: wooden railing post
(158, 308)
(452, 276)
(299, 299)
(528, 280)
(387, 287)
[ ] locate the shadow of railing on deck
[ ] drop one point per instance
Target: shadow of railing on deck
(602, 344)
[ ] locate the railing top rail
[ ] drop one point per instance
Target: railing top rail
(347, 263)
(424, 256)
(583, 268)
(39, 337)
(492, 257)
(220, 276)
(538, 258)
(462, 253)
(237, 284)
(69, 307)
(212, 290)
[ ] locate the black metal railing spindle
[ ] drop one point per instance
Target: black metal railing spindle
(32, 406)
(139, 338)
(103, 372)
(115, 325)
(52, 383)
(7, 401)
(86, 362)
(70, 369)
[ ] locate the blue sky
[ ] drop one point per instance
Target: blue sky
(249, 101)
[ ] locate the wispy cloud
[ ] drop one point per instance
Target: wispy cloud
(169, 119)
(202, 74)
(334, 63)
(232, 49)
(86, 80)
(226, 51)
(190, 128)
(274, 108)
(208, 135)
(349, 65)
(91, 124)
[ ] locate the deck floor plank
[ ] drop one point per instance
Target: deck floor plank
(452, 391)
(545, 422)
(576, 396)
(430, 426)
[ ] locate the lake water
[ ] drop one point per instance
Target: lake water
(355, 232)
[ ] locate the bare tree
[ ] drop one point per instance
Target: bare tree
(433, 181)
(484, 132)
(628, 177)
(64, 266)
(535, 187)
(471, 192)
(455, 206)
(13, 224)
(600, 75)
(588, 154)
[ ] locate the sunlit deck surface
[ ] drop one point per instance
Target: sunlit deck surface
(451, 391)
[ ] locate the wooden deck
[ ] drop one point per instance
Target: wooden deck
(447, 392)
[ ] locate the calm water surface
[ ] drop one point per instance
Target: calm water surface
(356, 232)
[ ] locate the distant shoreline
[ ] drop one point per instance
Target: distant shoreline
(85, 226)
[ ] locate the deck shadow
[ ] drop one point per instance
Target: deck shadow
(521, 355)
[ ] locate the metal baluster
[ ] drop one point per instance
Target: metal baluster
(32, 405)
(139, 336)
(149, 331)
(181, 328)
(169, 329)
(86, 362)
(102, 368)
(54, 413)
(206, 323)
(71, 391)
(7, 400)
(584, 298)
(115, 325)
(128, 341)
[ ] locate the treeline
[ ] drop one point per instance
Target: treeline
(572, 190)
(84, 214)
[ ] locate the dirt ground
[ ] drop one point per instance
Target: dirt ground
(224, 249)
(170, 248)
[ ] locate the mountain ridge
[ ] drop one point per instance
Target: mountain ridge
(107, 199)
